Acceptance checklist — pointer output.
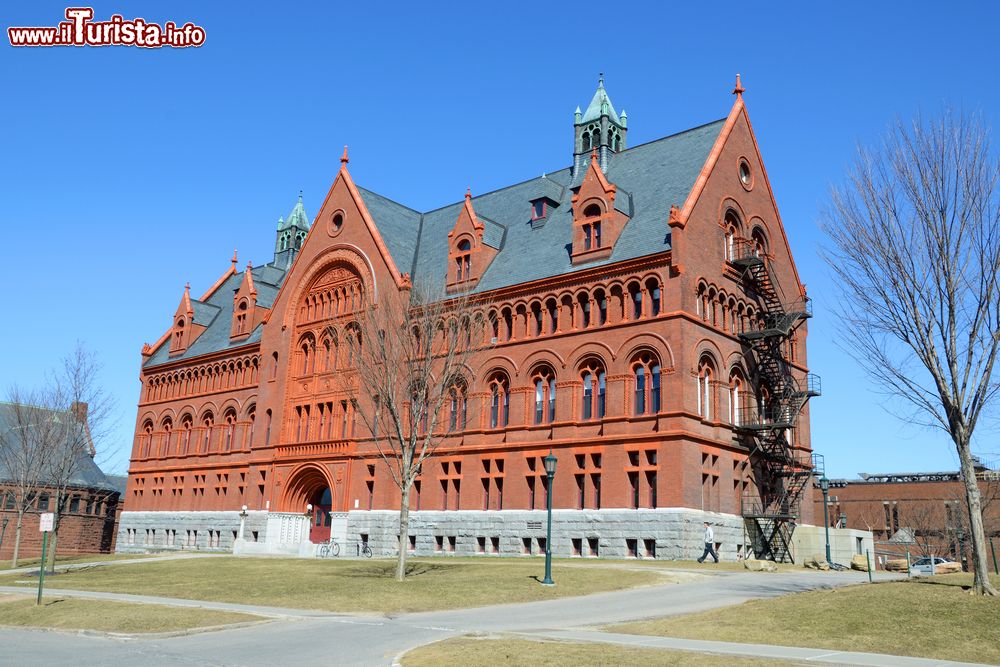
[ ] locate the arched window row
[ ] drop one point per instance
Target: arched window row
(331, 301)
(597, 306)
(197, 433)
(729, 400)
(724, 311)
(323, 351)
(219, 376)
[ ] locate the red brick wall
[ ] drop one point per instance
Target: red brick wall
(695, 457)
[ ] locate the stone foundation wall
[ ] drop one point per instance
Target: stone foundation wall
(607, 533)
(660, 533)
(193, 531)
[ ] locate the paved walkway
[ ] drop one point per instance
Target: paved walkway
(302, 637)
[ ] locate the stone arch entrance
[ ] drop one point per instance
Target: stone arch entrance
(310, 485)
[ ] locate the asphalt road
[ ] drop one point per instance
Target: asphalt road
(377, 640)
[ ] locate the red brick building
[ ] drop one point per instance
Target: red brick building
(93, 500)
(927, 508)
(650, 331)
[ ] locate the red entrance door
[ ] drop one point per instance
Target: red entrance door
(322, 503)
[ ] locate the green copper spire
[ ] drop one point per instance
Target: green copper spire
(298, 217)
(600, 105)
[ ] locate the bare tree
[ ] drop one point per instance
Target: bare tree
(22, 457)
(925, 522)
(411, 351)
(84, 409)
(915, 248)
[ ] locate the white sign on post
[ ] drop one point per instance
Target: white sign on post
(45, 522)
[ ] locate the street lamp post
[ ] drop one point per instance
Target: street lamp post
(550, 472)
(824, 485)
(243, 521)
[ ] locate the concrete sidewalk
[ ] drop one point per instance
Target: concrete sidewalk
(304, 636)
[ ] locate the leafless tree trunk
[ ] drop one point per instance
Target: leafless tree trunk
(915, 248)
(411, 351)
(75, 392)
(22, 457)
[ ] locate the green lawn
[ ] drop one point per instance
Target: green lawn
(932, 617)
(473, 652)
(79, 614)
(350, 585)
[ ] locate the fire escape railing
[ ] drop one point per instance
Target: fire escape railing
(781, 471)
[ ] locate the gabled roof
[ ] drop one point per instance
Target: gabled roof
(649, 178)
(86, 475)
(216, 314)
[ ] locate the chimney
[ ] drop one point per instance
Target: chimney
(79, 411)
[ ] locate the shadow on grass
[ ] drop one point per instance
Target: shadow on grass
(387, 570)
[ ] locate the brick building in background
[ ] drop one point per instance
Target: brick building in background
(649, 330)
(89, 521)
(925, 512)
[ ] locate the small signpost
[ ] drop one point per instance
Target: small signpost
(46, 521)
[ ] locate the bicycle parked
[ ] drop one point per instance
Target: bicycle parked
(329, 549)
(365, 550)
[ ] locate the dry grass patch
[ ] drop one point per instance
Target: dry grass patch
(473, 652)
(350, 585)
(105, 616)
(929, 617)
(79, 558)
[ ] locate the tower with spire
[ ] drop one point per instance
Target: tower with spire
(598, 128)
(291, 233)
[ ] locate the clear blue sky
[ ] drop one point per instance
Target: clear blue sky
(127, 172)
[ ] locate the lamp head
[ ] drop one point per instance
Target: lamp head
(550, 464)
(824, 484)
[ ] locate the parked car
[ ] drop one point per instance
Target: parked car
(934, 565)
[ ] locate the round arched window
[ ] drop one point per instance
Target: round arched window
(336, 223)
(746, 176)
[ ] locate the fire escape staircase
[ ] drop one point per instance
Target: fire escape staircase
(781, 472)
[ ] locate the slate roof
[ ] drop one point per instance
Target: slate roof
(217, 315)
(87, 474)
(649, 179)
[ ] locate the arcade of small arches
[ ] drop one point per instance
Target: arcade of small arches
(204, 379)
(716, 307)
(586, 308)
(204, 431)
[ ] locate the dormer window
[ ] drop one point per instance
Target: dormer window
(178, 335)
(538, 209)
(592, 227)
(463, 261)
(241, 318)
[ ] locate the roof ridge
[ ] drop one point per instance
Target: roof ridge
(550, 173)
(391, 201)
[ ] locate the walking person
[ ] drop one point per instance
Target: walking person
(709, 544)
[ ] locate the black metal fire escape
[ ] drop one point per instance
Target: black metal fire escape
(768, 416)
